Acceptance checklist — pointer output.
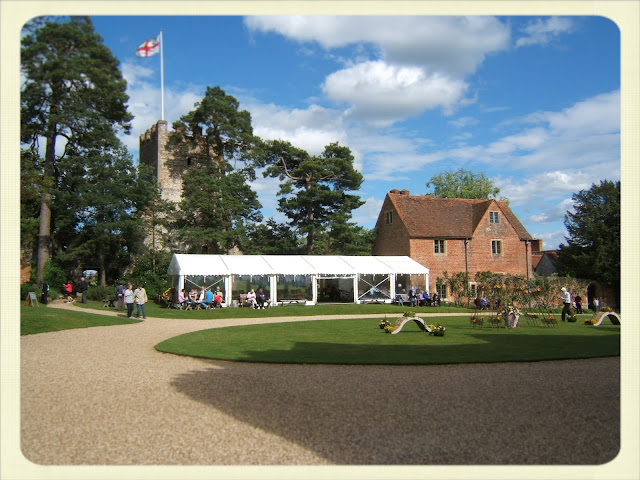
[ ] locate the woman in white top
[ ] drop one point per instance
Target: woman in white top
(128, 299)
(251, 298)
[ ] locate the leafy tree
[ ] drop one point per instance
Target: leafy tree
(72, 99)
(100, 227)
(312, 187)
(463, 184)
(272, 238)
(217, 210)
(593, 246)
(211, 146)
(343, 237)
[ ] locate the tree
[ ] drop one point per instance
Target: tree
(342, 237)
(593, 246)
(272, 238)
(214, 142)
(463, 184)
(97, 211)
(73, 99)
(217, 210)
(312, 187)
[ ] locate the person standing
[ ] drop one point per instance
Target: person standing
(140, 297)
(128, 299)
(120, 297)
(83, 289)
(45, 293)
(566, 300)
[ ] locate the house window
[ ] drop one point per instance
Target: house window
(442, 290)
(496, 247)
(493, 217)
(388, 217)
(473, 290)
(439, 247)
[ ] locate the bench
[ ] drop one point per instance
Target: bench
(293, 302)
(109, 302)
(374, 300)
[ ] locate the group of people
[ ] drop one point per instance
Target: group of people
(205, 299)
(418, 298)
(129, 297)
(67, 289)
(256, 299)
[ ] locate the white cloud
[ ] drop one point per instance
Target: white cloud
(382, 94)
(455, 45)
(542, 31)
(414, 63)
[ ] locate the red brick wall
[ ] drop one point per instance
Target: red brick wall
(393, 238)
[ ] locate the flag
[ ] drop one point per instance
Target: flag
(148, 48)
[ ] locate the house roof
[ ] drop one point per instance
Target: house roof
(432, 217)
(200, 264)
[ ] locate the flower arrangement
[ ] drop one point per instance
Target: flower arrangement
(409, 314)
(384, 323)
(437, 330)
(606, 309)
(572, 318)
(389, 328)
(588, 321)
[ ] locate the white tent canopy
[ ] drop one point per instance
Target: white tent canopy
(314, 266)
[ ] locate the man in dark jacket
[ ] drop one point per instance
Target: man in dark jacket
(83, 289)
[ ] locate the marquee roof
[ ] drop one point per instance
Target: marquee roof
(200, 264)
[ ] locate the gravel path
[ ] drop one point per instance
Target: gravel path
(105, 396)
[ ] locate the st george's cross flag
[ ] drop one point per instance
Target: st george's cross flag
(148, 48)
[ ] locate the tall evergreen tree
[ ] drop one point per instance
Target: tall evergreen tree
(312, 187)
(98, 210)
(211, 146)
(593, 246)
(73, 100)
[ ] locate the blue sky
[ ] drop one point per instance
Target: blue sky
(531, 102)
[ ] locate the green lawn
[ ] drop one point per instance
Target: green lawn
(358, 341)
(43, 319)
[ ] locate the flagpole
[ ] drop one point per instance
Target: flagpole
(162, 73)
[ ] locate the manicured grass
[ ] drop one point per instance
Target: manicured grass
(361, 341)
(44, 319)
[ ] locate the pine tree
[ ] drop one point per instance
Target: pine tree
(73, 99)
(312, 187)
(211, 147)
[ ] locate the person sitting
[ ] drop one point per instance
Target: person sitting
(217, 300)
(484, 303)
(435, 300)
(419, 298)
(251, 298)
(208, 298)
(181, 299)
(412, 297)
(427, 298)
(260, 298)
(68, 288)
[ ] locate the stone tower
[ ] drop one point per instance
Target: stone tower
(154, 154)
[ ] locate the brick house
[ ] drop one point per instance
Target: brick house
(454, 235)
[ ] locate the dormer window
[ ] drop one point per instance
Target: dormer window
(493, 217)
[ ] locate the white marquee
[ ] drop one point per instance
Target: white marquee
(357, 269)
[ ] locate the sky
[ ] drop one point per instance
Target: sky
(533, 103)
